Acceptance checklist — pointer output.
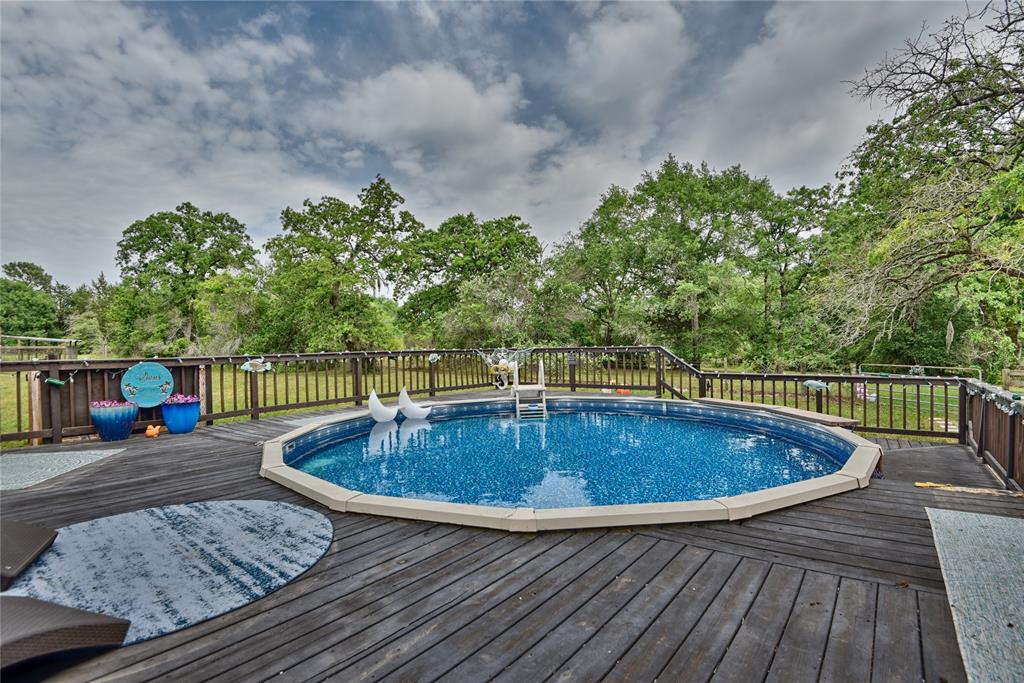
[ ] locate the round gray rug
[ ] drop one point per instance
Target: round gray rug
(167, 568)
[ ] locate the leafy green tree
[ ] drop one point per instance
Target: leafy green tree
(32, 274)
(166, 258)
(495, 309)
(26, 311)
(935, 195)
(436, 263)
(600, 267)
(67, 302)
(93, 323)
(330, 258)
(362, 242)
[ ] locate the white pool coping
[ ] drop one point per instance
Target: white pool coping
(856, 473)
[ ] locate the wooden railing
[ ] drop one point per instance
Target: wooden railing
(994, 420)
(33, 409)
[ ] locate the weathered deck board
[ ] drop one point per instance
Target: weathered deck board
(844, 588)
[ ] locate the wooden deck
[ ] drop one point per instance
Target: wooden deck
(842, 589)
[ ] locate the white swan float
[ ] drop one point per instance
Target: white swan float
(410, 409)
(379, 411)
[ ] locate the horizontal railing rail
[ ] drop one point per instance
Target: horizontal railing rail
(48, 400)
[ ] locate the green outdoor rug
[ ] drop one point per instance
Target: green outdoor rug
(982, 557)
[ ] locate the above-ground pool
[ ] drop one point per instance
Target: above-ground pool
(591, 462)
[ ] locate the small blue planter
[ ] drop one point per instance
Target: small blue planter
(114, 423)
(180, 418)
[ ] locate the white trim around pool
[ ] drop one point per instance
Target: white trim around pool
(856, 473)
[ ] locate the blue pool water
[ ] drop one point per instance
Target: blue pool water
(570, 459)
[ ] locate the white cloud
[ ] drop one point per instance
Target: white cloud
(107, 117)
(440, 128)
(783, 108)
(622, 65)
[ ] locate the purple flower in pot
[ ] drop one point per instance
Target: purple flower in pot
(181, 413)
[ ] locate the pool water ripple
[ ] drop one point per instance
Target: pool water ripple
(570, 459)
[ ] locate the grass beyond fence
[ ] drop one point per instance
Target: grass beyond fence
(910, 406)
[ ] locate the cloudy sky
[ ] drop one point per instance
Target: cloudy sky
(111, 112)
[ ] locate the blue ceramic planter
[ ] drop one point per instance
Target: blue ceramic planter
(114, 423)
(181, 418)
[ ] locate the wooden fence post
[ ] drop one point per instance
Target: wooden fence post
(982, 430)
(35, 405)
(702, 387)
(573, 359)
(254, 397)
(962, 415)
(818, 403)
(207, 384)
(56, 415)
(433, 378)
(659, 381)
(357, 380)
(1011, 443)
(201, 391)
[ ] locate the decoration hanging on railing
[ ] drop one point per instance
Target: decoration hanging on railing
(147, 384)
(816, 385)
(256, 365)
(433, 358)
(501, 363)
(1000, 398)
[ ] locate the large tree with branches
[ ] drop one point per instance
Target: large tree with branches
(936, 194)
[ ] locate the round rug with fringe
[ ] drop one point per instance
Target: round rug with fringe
(171, 567)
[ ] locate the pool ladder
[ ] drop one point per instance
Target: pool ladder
(531, 407)
(531, 399)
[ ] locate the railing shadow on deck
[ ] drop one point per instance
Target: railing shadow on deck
(48, 400)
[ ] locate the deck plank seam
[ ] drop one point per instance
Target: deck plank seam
(782, 631)
(309, 575)
(651, 621)
(387, 577)
(781, 558)
(703, 613)
(572, 613)
(451, 605)
(444, 607)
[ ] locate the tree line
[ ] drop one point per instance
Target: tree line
(914, 255)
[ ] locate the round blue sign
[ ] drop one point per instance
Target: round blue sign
(147, 384)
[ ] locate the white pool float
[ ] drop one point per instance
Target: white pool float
(410, 409)
(379, 411)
